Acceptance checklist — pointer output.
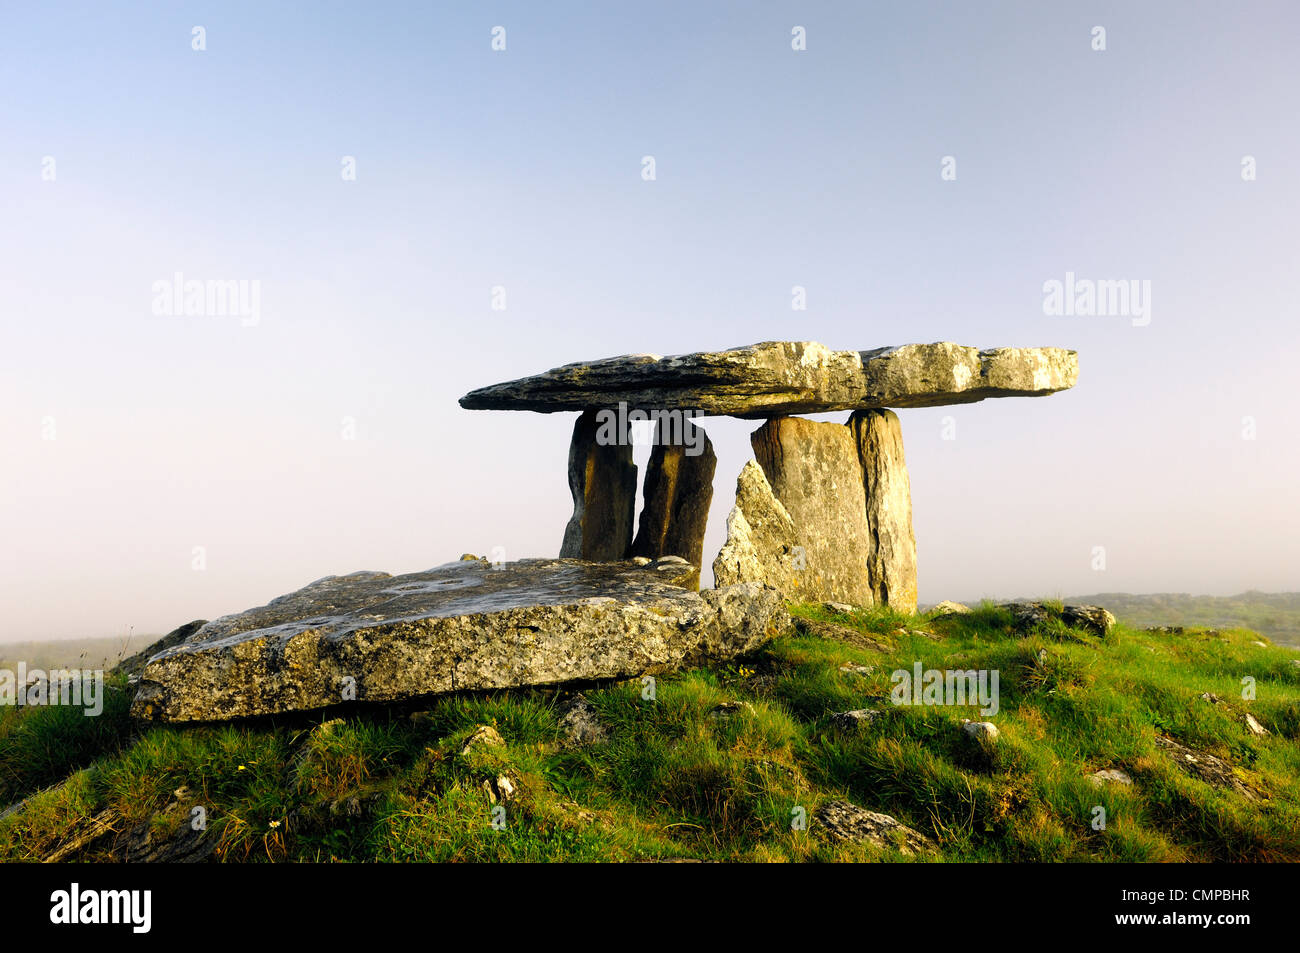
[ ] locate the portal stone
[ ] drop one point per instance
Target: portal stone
(602, 479)
(891, 551)
(815, 472)
(678, 491)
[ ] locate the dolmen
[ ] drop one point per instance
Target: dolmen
(824, 511)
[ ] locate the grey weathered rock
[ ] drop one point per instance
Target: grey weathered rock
(891, 549)
(855, 719)
(842, 608)
(134, 665)
(1094, 619)
(1110, 776)
(814, 470)
(678, 491)
(848, 822)
(462, 626)
(580, 724)
(950, 608)
(1205, 766)
(762, 542)
(778, 378)
(980, 730)
(1253, 725)
(602, 479)
(480, 739)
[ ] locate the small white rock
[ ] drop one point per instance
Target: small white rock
(1254, 726)
(984, 730)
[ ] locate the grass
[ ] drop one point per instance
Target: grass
(677, 778)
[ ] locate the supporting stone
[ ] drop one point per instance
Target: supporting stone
(815, 472)
(678, 491)
(891, 551)
(602, 479)
(762, 542)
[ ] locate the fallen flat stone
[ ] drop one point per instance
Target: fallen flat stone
(891, 544)
(602, 480)
(678, 491)
(464, 626)
(778, 378)
(814, 470)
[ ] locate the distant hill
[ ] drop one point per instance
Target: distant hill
(1274, 614)
(97, 653)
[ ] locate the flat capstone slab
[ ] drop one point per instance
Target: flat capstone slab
(781, 378)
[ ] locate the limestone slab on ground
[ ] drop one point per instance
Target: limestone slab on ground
(463, 626)
(778, 378)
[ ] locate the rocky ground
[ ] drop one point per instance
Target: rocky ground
(793, 751)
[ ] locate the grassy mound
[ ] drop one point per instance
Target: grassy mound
(721, 764)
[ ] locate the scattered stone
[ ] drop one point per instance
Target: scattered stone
(848, 822)
(849, 668)
(1253, 725)
(501, 789)
(1029, 615)
(580, 724)
(482, 738)
(640, 560)
(602, 480)
(1262, 645)
(946, 608)
(465, 626)
(729, 710)
(1210, 697)
(1165, 629)
(1205, 767)
(1091, 618)
(678, 490)
(814, 470)
(838, 633)
(842, 608)
(853, 720)
(891, 544)
(1110, 776)
(778, 378)
(468, 557)
(981, 730)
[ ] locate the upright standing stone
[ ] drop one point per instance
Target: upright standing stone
(678, 491)
(602, 479)
(891, 552)
(762, 541)
(815, 472)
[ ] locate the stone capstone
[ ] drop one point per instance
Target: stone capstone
(464, 626)
(779, 378)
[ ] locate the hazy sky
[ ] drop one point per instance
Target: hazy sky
(130, 438)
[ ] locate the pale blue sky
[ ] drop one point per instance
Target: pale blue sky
(522, 168)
